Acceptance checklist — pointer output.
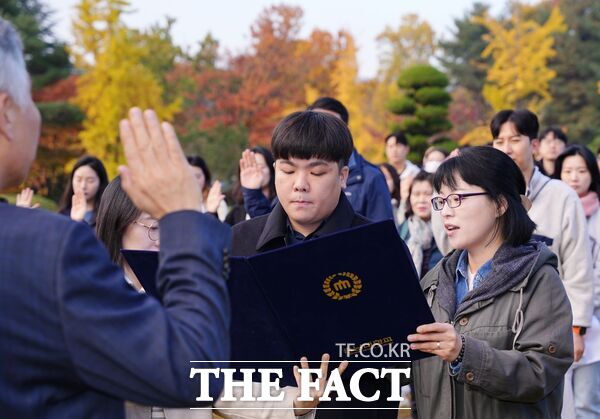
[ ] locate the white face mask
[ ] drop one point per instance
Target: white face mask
(431, 166)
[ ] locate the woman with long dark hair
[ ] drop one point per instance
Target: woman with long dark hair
(84, 189)
(576, 166)
(502, 339)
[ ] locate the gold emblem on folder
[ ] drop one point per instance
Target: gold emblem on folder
(342, 286)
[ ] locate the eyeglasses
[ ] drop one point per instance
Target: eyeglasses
(453, 200)
(153, 230)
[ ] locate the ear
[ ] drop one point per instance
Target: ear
(501, 209)
(5, 116)
(535, 145)
(344, 171)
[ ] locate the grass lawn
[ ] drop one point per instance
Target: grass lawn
(45, 203)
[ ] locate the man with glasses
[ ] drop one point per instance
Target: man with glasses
(556, 210)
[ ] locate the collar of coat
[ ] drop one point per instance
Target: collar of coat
(511, 268)
(275, 228)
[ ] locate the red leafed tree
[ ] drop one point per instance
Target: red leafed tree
(258, 87)
(58, 140)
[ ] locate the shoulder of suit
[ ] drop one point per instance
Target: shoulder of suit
(35, 216)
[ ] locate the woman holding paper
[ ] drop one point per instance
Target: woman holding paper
(502, 341)
(123, 226)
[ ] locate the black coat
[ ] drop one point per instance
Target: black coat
(269, 232)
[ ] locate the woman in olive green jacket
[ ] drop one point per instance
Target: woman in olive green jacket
(502, 339)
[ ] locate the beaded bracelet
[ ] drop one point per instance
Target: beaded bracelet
(459, 358)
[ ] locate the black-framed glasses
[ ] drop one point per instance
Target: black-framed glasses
(453, 200)
(153, 230)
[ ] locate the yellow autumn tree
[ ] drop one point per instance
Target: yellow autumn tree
(115, 77)
(351, 93)
(520, 49)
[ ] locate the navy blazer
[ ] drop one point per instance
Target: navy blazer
(76, 339)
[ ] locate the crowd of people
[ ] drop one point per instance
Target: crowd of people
(504, 239)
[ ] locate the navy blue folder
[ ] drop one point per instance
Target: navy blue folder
(356, 286)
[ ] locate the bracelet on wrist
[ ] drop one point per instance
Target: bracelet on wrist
(459, 358)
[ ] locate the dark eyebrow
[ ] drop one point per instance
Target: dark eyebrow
(317, 163)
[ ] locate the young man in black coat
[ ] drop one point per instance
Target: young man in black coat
(311, 151)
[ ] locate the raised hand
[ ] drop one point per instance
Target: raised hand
(78, 205)
(157, 178)
(303, 407)
(214, 198)
(251, 176)
(24, 199)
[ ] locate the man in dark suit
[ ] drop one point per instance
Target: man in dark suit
(311, 151)
(76, 340)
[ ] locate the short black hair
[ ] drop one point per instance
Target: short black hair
(115, 214)
(557, 132)
(399, 136)
(332, 105)
(525, 121)
(590, 162)
(422, 176)
(199, 162)
(498, 175)
(310, 134)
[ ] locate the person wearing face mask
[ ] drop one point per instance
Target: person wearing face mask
(502, 338)
(433, 158)
(576, 166)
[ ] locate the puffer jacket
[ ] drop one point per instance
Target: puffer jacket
(518, 340)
